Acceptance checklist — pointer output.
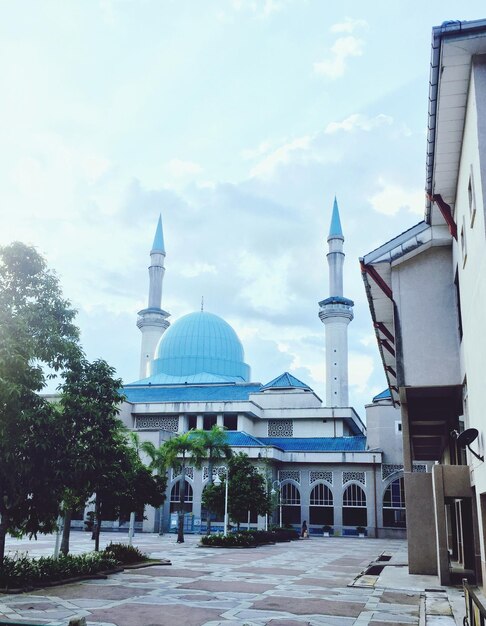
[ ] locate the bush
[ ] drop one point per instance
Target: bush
(244, 540)
(21, 571)
(124, 553)
(285, 534)
(260, 536)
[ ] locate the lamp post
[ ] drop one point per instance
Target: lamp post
(217, 482)
(276, 486)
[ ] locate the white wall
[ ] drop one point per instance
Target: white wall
(427, 320)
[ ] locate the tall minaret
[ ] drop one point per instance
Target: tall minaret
(152, 321)
(336, 312)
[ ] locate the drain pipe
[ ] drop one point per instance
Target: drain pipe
(374, 489)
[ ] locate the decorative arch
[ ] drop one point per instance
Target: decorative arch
(321, 510)
(394, 514)
(175, 494)
(290, 502)
(355, 511)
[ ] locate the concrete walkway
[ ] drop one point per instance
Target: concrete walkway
(315, 582)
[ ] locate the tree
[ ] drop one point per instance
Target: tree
(246, 491)
(90, 400)
(36, 333)
(176, 452)
(215, 442)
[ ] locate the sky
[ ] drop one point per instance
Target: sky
(238, 121)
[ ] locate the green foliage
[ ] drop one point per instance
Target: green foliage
(285, 534)
(230, 541)
(21, 571)
(247, 489)
(36, 332)
(124, 553)
(249, 538)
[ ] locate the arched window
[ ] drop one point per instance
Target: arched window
(290, 502)
(175, 495)
(394, 505)
(354, 506)
(321, 506)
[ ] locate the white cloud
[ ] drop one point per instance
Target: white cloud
(196, 269)
(343, 49)
(348, 26)
(393, 198)
(260, 8)
(179, 168)
(252, 153)
(356, 121)
(282, 155)
(360, 370)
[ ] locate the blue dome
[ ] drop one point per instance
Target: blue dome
(201, 343)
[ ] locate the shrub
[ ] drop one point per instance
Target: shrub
(124, 553)
(21, 571)
(260, 536)
(285, 534)
(230, 541)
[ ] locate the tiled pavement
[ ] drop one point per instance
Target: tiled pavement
(290, 584)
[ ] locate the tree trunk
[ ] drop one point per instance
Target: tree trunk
(98, 524)
(210, 482)
(65, 532)
(3, 536)
(182, 494)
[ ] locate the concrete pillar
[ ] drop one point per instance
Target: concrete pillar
(440, 525)
(422, 548)
(200, 422)
(148, 525)
(304, 489)
(182, 424)
(407, 449)
(220, 420)
(337, 494)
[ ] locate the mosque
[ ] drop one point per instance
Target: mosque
(328, 467)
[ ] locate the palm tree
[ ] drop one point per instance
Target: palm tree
(157, 463)
(175, 453)
(215, 442)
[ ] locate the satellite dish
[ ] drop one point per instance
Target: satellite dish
(466, 438)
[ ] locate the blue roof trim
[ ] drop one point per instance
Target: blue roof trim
(384, 395)
(285, 381)
(336, 300)
(316, 444)
(241, 439)
(192, 393)
(335, 230)
(158, 245)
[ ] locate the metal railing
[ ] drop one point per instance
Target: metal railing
(475, 610)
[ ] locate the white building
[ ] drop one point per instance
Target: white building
(193, 375)
(427, 295)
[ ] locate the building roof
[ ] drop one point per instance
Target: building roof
(298, 444)
(316, 444)
(200, 344)
(190, 393)
(384, 395)
(285, 381)
(335, 230)
(454, 45)
(158, 245)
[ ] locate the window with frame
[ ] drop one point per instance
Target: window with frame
(175, 495)
(471, 197)
(354, 506)
(321, 509)
(394, 515)
(290, 503)
(463, 243)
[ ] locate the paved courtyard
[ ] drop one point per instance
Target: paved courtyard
(315, 582)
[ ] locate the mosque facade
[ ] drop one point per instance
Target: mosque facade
(327, 466)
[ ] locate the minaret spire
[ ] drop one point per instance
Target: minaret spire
(336, 312)
(152, 321)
